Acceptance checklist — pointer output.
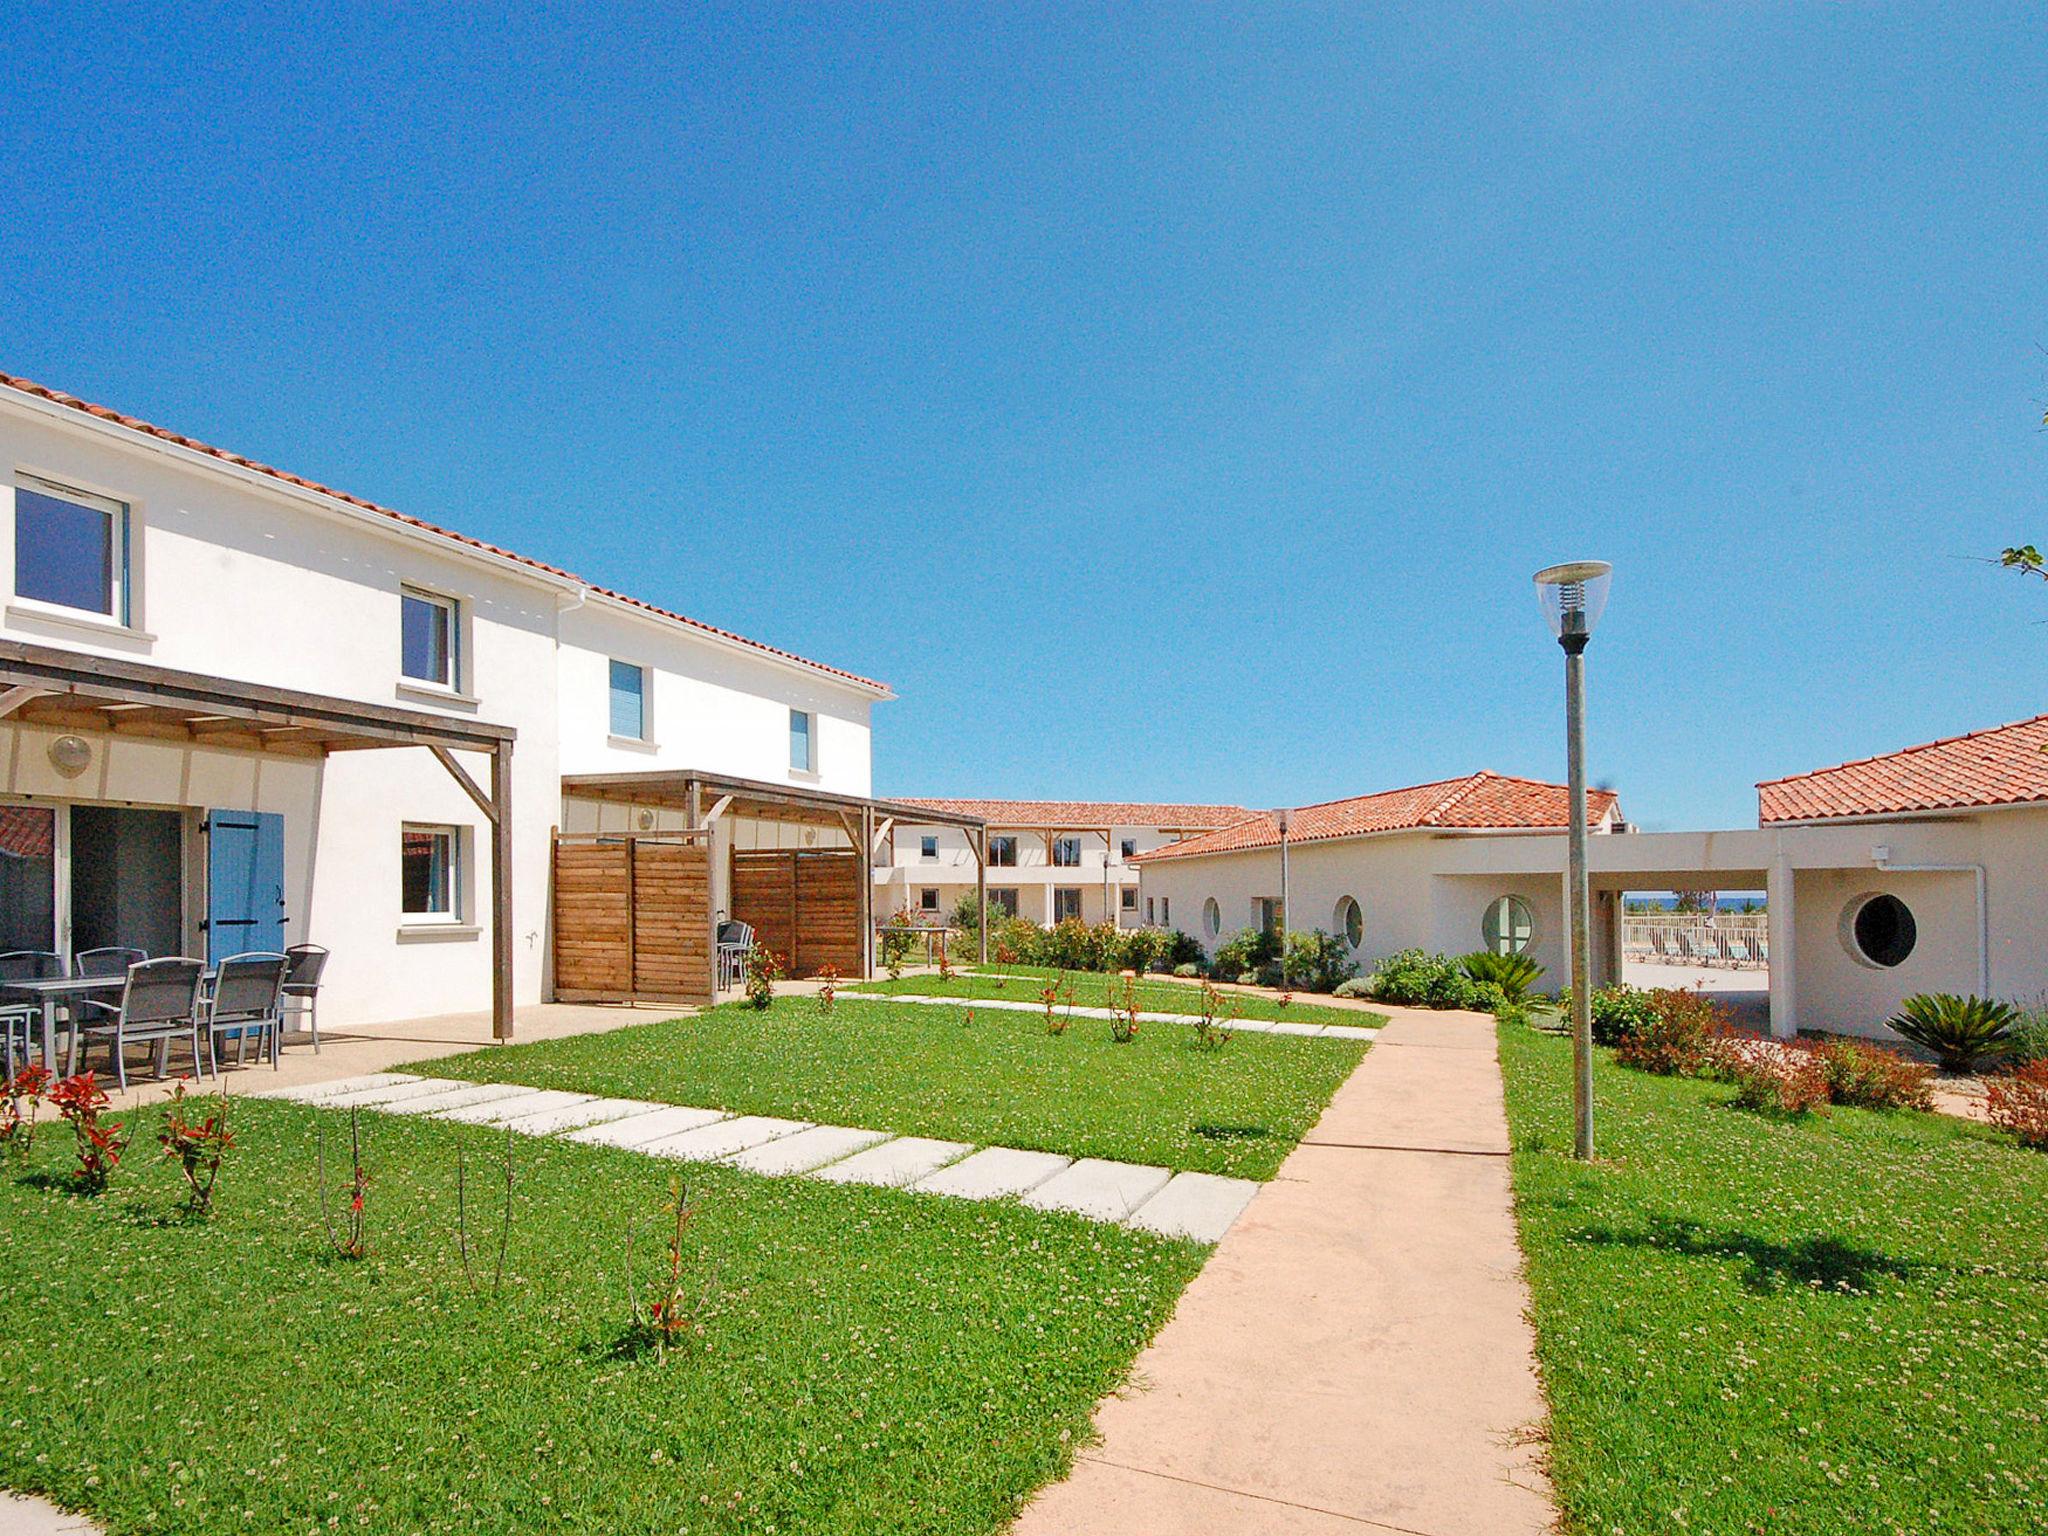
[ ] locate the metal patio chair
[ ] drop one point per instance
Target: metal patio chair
(113, 960)
(18, 1028)
(302, 987)
(247, 993)
(159, 1001)
(31, 965)
(734, 940)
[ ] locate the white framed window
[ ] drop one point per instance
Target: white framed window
(71, 550)
(1128, 849)
(1003, 899)
(803, 752)
(1002, 852)
(1266, 914)
(1130, 899)
(1066, 904)
(1166, 911)
(928, 899)
(430, 873)
(1066, 852)
(1508, 926)
(430, 639)
(628, 701)
(1879, 930)
(928, 848)
(1351, 920)
(1212, 918)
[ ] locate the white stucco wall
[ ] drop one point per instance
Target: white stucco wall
(1101, 876)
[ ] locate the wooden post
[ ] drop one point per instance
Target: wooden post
(501, 891)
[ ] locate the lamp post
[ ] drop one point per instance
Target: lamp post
(1283, 899)
(1572, 596)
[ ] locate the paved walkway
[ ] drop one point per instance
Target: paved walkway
(1197, 1205)
(1354, 1357)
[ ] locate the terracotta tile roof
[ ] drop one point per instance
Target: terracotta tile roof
(1478, 801)
(1084, 813)
(135, 424)
(2005, 765)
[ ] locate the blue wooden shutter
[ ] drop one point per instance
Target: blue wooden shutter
(244, 882)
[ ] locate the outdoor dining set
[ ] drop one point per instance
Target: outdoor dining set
(121, 997)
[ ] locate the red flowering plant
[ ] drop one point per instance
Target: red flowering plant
(945, 961)
(2017, 1101)
(195, 1136)
(828, 990)
(1055, 1022)
(1123, 1011)
(18, 1130)
(81, 1101)
(764, 968)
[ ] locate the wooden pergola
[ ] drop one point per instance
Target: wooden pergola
(64, 690)
(706, 796)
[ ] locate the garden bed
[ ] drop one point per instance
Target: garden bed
(1786, 1325)
(1000, 1080)
(868, 1359)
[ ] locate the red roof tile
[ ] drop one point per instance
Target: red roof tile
(2005, 765)
(135, 424)
(1478, 801)
(1085, 813)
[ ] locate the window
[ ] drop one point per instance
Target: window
(1129, 848)
(1508, 927)
(428, 871)
(1212, 918)
(1165, 912)
(928, 899)
(1066, 852)
(1879, 930)
(428, 637)
(802, 759)
(1004, 900)
(1266, 914)
(70, 549)
(629, 701)
(1066, 904)
(1350, 921)
(1130, 899)
(1151, 910)
(1002, 852)
(928, 848)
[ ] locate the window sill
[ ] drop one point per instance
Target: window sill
(79, 623)
(431, 693)
(632, 744)
(805, 775)
(438, 933)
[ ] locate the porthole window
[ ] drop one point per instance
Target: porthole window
(1350, 921)
(1508, 926)
(1878, 929)
(1212, 918)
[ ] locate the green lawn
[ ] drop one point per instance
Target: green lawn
(871, 1360)
(919, 1070)
(1755, 1325)
(1092, 989)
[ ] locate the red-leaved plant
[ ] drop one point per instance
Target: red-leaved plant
(1210, 1035)
(81, 1101)
(195, 1136)
(18, 1130)
(1778, 1079)
(1123, 1011)
(351, 1236)
(1055, 1022)
(2017, 1101)
(828, 990)
(1871, 1077)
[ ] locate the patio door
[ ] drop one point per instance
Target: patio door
(244, 882)
(28, 877)
(127, 879)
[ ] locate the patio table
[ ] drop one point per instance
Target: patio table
(53, 992)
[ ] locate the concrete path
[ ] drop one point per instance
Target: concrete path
(23, 1514)
(1354, 1357)
(1197, 1205)
(1079, 1011)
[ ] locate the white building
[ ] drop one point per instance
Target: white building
(198, 654)
(1047, 859)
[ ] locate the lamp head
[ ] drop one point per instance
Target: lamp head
(1572, 596)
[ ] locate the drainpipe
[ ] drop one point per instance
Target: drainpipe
(1881, 856)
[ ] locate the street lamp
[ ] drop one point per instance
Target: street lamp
(1283, 898)
(1573, 595)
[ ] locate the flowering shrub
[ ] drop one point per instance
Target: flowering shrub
(18, 1131)
(762, 970)
(945, 961)
(896, 941)
(1674, 1033)
(828, 991)
(1778, 1079)
(2017, 1101)
(1123, 1011)
(1870, 1077)
(1055, 1022)
(81, 1101)
(196, 1145)
(1618, 1011)
(1209, 1034)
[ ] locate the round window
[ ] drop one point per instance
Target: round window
(1212, 917)
(1350, 922)
(1880, 930)
(1508, 926)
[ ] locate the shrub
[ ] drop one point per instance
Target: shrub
(1187, 970)
(1358, 986)
(896, 942)
(1246, 952)
(1961, 1031)
(1683, 1034)
(2017, 1101)
(1870, 1077)
(762, 970)
(1185, 949)
(1318, 961)
(1420, 980)
(2028, 1039)
(1618, 1012)
(81, 1101)
(1513, 974)
(1778, 1079)
(197, 1139)
(1247, 978)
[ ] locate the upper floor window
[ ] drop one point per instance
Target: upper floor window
(629, 701)
(70, 549)
(1002, 852)
(927, 847)
(1066, 852)
(428, 638)
(803, 757)
(1129, 848)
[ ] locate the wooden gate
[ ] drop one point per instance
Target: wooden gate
(633, 918)
(803, 904)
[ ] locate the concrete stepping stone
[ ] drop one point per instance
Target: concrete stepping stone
(707, 1143)
(458, 1094)
(805, 1150)
(1283, 1027)
(1197, 1205)
(1098, 1188)
(992, 1173)
(637, 1130)
(549, 1122)
(894, 1164)
(1349, 1032)
(1249, 1026)
(390, 1093)
(498, 1111)
(313, 1093)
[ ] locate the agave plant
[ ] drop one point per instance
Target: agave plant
(1961, 1031)
(1513, 974)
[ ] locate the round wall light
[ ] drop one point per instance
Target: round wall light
(71, 755)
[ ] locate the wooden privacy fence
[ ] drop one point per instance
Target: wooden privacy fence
(802, 903)
(633, 917)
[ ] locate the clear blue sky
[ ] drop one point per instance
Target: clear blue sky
(1169, 403)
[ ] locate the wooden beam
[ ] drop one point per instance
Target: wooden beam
(718, 809)
(469, 786)
(14, 698)
(876, 832)
(501, 891)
